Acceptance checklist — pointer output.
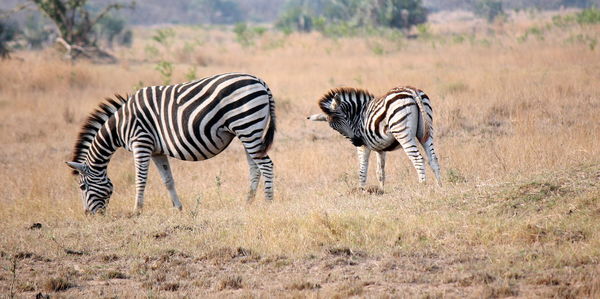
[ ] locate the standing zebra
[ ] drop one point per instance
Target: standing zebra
(190, 121)
(402, 117)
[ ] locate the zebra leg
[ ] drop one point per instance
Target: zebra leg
(254, 178)
(381, 169)
(265, 165)
(363, 167)
(141, 156)
(162, 163)
(433, 160)
(409, 144)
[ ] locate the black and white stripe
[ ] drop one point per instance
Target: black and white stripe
(401, 118)
(191, 121)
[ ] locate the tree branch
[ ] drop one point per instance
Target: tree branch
(107, 9)
(7, 13)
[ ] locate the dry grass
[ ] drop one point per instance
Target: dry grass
(517, 133)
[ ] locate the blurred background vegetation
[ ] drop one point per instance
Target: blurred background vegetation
(34, 24)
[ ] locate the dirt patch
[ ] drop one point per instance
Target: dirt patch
(337, 272)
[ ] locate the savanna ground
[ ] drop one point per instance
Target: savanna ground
(517, 131)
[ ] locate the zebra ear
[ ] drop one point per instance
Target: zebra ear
(335, 102)
(80, 167)
(318, 117)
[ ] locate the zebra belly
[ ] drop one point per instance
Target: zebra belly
(393, 146)
(199, 153)
(389, 143)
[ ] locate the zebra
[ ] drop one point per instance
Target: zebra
(401, 118)
(191, 121)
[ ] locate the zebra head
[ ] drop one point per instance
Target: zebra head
(96, 189)
(341, 115)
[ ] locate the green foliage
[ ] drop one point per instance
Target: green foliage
(336, 18)
(458, 38)
(191, 74)
(563, 21)
(585, 39)
(538, 32)
(489, 9)
(296, 17)
(8, 31)
(454, 176)
(424, 32)
(242, 34)
(151, 51)
(110, 27)
(165, 68)
(137, 87)
(259, 31)
(245, 34)
(377, 48)
(588, 16)
(163, 36)
(402, 13)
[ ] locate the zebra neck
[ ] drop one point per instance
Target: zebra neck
(359, 119)
(102, 148)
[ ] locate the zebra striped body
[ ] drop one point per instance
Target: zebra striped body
(401, 118)
(191, 121)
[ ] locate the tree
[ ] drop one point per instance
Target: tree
(297, 16)
(489, 9)
(301, 14)
(7, 33)
(111, 27)
(223, 11)
(76, 24)
(402, 13)
(8, 30)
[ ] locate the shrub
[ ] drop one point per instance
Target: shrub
(489, 9)
(165, 68)
(588, 16)
(57, 284)
(342, 18)
(110, 27)
(8, 31)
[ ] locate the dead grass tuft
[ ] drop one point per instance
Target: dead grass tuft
(57, 284)
(340, 251)
(108, 258)
(114, 274)
(170, 286)
(500, 289)
(230, 282)
(303, 285)
(350, 289)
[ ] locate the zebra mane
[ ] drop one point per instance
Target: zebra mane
(92, 125)
(325, 100)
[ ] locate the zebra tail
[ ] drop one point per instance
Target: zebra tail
(269, 134)
(426, 123)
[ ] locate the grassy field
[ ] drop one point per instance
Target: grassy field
(517, 124)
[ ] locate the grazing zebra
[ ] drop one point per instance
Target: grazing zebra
(190, 121)
(402, 117)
